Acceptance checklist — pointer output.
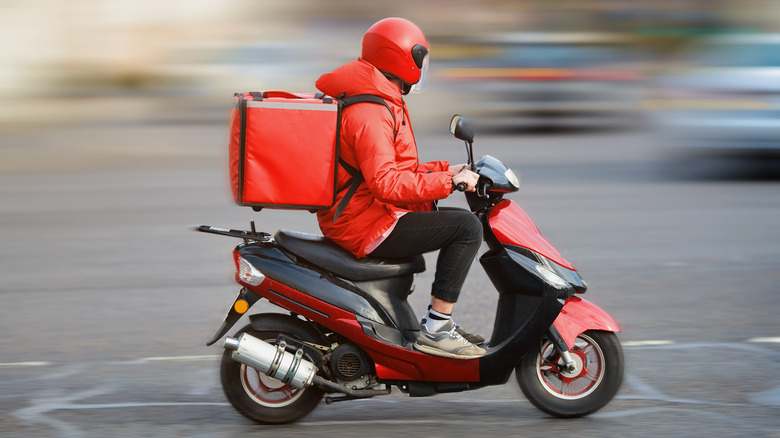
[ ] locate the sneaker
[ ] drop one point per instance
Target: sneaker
(447, 343)
(471, 337)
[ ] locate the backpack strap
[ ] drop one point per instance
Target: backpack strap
(353, 183)
(359, 98)
(356, 178)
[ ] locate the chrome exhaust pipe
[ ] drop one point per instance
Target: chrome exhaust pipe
(272, 360)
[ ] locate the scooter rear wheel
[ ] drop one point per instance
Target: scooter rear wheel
(595, 381)
(259, 397)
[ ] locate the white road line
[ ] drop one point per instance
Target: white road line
(25, 364)
(627, 344)
(68, 406)
(646, 343)
(164, 358)
(765, 340)
(408, 421)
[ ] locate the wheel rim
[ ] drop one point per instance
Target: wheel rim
(586, 377)
(265, 390)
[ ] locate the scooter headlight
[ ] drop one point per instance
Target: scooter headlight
(512, 178)
(248, 273)
(551, 276)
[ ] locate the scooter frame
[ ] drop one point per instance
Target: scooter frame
(376, 316)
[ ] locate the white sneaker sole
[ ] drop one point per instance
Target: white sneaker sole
(437, 352)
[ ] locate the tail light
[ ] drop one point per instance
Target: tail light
(247, 273)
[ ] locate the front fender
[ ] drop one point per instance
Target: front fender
(578, 316)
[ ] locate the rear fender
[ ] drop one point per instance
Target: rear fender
(578, 316)
(245, 299)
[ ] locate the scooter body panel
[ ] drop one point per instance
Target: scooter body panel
(392, 362)
(527, 305)
(511, 225)
(332, 303)
(578, 316)
(277, 265)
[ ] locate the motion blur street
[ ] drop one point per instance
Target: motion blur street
(109, 295)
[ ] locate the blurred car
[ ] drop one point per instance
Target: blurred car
(725, 98)
(545, 74)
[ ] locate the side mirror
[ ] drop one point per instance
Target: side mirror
(462, 128)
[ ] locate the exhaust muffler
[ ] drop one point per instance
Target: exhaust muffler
(274, 361)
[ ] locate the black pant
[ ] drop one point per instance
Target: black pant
(456, 232)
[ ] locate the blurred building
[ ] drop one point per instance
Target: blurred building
(178, 49)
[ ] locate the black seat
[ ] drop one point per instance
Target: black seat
(326, 254)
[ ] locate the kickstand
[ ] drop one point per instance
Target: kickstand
(330, 399)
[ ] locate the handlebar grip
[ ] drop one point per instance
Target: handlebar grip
(461, 187)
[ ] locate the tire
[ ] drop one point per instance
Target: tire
(259, 397)
(599, 374)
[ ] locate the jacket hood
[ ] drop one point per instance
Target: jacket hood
(359, 77)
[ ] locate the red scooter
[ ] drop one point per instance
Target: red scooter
(349, 330)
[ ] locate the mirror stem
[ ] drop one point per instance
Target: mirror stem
(470, 151)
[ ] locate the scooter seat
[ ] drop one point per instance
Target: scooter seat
(326, 254)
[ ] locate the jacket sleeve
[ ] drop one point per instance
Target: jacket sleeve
(376, 156)
(434, 166)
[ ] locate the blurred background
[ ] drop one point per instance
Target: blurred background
(518, 63)
(645, 133)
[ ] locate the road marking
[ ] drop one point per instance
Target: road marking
(68, 406)
(25, 364)
(627, 344)
(765, 340)
(409, 421)
(164, 358)
(646, 343)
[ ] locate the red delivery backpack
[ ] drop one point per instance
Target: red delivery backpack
(284, 150)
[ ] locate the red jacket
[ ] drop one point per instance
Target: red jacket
(395, 180)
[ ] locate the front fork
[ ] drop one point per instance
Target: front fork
(560, 345)
(577, 316)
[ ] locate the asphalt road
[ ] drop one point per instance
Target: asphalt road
(108, 296)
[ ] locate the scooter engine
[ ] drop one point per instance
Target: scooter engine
(348, 363)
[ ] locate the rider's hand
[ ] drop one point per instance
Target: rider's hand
(468, 177)
(456, 169)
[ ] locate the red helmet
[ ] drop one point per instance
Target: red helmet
(397, 47)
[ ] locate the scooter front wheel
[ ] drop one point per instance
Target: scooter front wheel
(595, 380)
(259, 397)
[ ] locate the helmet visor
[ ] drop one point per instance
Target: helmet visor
(418, 87)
